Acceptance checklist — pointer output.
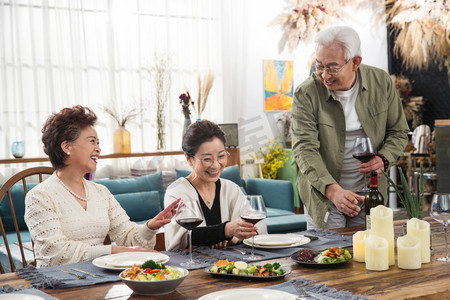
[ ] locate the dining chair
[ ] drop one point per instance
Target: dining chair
(6, 189)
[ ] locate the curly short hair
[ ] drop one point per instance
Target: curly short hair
(199, 132)
(65, 125)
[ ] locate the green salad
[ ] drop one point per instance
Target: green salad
(332, 255)
(151, 271)
(224, 266)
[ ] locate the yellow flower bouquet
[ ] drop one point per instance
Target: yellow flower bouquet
(274, 158)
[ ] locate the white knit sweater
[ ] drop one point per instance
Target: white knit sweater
(63, 232)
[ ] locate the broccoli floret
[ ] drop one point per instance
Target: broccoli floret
(150, 264)
(229, 268)
(275, 268)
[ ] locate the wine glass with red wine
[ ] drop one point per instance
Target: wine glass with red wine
(253, 210)
(363, 151)
(189, 216)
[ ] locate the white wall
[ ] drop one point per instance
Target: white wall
(262, 43)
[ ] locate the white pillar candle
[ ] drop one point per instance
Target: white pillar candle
(421, 230)
(382, 225)
(408, 252)
(358, 245)
(376, 254)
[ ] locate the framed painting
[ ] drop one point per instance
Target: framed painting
(278, 85)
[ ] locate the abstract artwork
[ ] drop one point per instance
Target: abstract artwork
(278, 85)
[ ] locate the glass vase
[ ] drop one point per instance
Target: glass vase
(18, 149)
(187, 122)
(122, 140)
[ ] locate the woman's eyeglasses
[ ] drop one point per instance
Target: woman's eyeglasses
(332, 71)
(207, 162)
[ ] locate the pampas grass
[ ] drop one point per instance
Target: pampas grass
(422, 30)
(205, 84)
(121, 116)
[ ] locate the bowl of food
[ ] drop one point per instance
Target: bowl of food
(153, 279)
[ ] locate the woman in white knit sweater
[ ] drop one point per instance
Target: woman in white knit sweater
(69, 216)
(219, 199)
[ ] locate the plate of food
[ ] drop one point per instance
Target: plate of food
(277, 241)
(240, 269)
(329, 257)
(125, 260)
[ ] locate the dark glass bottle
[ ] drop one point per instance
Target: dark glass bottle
(373, 198)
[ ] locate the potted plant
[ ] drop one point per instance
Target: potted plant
(412, 203)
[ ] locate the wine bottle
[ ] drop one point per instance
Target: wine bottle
(373, 198)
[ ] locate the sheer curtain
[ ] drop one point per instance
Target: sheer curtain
(56, 53)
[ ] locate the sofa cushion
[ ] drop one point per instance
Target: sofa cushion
(285, 224)
(152, 182)
(140, 206)
(276, 212)
(276, 193)
(231, 173)
(12, 237)
(19, 207)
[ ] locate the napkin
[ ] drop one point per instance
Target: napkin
(54, 277)
(7, 289)
(178, 256)
(315, 290)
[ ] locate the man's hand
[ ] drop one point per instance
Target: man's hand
(345, 201)
(375, 164)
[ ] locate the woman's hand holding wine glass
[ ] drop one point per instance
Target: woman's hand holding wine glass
(189, 216)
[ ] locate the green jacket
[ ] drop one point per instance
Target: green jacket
(318, 133)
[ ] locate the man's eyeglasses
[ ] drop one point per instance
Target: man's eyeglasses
(332, 71)
(207, 162)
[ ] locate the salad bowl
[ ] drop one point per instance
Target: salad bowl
(155, 287)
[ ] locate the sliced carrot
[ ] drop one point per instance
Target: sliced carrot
(262, 270)
(162, 277)
(266, 273)
(222, 263)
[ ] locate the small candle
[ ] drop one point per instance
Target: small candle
(382, 225)
(408, 250)
(377, 253)
(421, 230)
(359, 247)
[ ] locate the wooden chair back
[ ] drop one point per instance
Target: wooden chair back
(5, 190)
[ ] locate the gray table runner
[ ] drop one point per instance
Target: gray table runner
(325, 239)
(316, 291)
(7, 289)
(54, 277)
(178, 256)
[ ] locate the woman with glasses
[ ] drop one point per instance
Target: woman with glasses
(220, 199)
(342, 101)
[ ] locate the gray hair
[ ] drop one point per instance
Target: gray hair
(345, 36)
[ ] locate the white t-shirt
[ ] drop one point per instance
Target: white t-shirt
(351, 179)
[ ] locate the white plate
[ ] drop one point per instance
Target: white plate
(125, 260)
(20, 297)
(248, 294)
(290, 240)
(275, 240)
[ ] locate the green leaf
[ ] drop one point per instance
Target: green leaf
(408, 196)
(397, 190)
(421, 194)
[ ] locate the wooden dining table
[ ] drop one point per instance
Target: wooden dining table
(432, 281)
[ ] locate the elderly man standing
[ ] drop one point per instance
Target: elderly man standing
(343, 100)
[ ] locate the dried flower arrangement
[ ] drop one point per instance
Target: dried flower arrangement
(274, 158)
(423, 31)
(161, 76)
(303, 18)
(412, 106)
(204, 87)
(284, 121)
(185, 101)
(121, 116)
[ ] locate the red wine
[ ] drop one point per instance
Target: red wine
(253, 218)
(363, 156)
(373, 198)
(189, 223)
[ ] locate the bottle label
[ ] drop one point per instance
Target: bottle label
(368, 227)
